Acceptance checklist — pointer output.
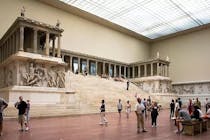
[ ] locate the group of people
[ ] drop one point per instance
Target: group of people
(193, 111)
(141, 108)
(23, 113)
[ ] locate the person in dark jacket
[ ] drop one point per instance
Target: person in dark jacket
(21, 106)
(172, 106)
(154, 114)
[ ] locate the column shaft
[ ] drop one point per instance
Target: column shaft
(59, 46)
(35, 41)
(124, 71)
(151, 69)
(133, 74)
(145, 70)
(119, 71)
(47, 46)
(96, 68)
(78, 65)
(115, 70)
(103, 67)
(21, 47)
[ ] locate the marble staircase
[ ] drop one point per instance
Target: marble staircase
(89, 91)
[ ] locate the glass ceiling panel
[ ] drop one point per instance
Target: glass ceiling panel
(150, 18)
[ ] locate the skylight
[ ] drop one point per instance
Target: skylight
(150, 18)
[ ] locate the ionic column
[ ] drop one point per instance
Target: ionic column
(151, 69)
(21, 47)
(133, 76)
(115, 70)
(35, 41)
(139, 75)
(53, 47)
(70, 63)
(14, 43)
(8, 47)
(158, 71)
(17, 41)
(59, 46)
(47, 46)
(167, 70)
(103, 67)
(119, 71)
(78, 65)
(87, 66)
(109, 69)
(96, 68)
(124, 71)
(129, 73)
(145, 70)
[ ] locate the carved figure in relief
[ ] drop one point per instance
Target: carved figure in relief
(9, 78)
(60, 79)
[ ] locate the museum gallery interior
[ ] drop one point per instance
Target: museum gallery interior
(68, 55)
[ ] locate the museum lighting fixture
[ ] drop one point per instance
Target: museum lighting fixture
(150, 18)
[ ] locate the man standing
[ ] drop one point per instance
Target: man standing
(3, 105)
(21, 106)
(139, 110)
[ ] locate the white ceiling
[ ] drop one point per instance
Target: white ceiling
(150, 18)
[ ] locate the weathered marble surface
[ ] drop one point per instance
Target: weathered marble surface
(154, 84)
(202, 87)
(25, 70)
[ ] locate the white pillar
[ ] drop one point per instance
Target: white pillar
(59, 46)
(47, 47)
(21, 47)
(35, 41)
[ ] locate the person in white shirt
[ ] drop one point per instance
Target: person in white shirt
(139, 110)
(176, 108)
(119, 107)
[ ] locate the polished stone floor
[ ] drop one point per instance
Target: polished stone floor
(86, 127)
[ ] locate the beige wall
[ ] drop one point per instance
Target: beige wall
(189, 55)
(79, 34)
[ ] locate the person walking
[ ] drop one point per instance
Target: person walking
(139, 110)
(128, 85)
(21, 106)
(3, 105)
(102, 113)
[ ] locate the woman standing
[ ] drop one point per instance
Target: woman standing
(128, 109)
(154, 114)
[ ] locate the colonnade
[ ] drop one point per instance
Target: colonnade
(28, 37)
(79, 63)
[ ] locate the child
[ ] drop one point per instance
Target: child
(102, 113)
(119, 107)
(128, 109)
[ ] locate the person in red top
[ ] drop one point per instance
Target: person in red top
(190, 107)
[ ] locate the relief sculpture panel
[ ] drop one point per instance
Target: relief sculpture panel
(41, 75)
